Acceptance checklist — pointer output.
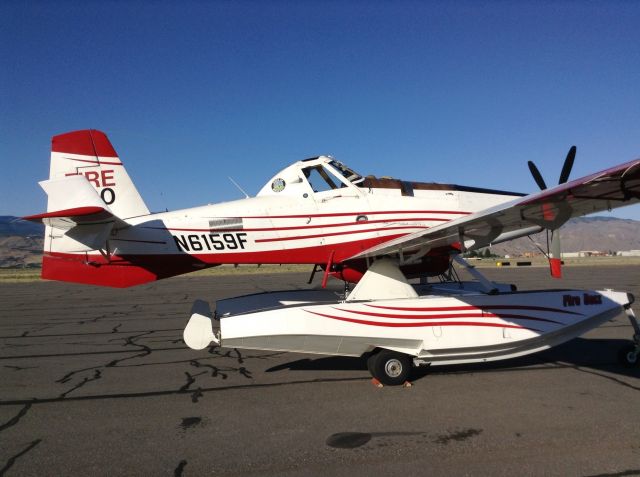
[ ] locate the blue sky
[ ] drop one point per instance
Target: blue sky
(193, 92)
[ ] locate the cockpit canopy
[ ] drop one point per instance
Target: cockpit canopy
(317, 174)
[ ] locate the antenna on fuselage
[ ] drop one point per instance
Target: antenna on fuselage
(166, 209)
(239, 188)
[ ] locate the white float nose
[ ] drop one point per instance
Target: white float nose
(199, 330)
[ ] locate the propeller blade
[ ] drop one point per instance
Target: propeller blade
(568, 164)
(536, 175)
(555, 254)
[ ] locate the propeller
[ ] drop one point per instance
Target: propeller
(568, 165)
(537, 176)
(555, 261)
(564, 174)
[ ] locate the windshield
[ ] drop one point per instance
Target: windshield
(319, 179)
(347, 173)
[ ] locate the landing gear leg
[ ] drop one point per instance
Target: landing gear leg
(630, 354)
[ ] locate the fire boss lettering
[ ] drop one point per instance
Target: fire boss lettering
(592, 299)
(210, 242)
(570, 300)
(102, 179)
(587, 299)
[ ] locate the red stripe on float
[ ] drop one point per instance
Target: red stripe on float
(451, 315)
(483, 307)
(420, 324)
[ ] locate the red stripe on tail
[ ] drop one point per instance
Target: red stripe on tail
(88, 142)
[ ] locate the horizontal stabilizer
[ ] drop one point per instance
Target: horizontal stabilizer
(68, 218)
(73, 201)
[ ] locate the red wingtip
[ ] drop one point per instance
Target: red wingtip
(88, 142)
(556, 267)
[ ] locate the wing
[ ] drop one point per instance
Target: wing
(609, 189)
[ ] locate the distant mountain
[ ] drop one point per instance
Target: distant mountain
(584, 233)
(15, 226)
(21, 242)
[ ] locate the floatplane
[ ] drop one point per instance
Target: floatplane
(396, 240)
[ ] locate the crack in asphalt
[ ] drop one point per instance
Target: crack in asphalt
(214, 349)
(215, 371)
(88, 333)
(128, 341)
(96, 375)
(19, 368)
(196, 395)
(34, 330)
(178, 391)
(13, 459)
(144, 350)
(156, 363)
(15, 419)
(86, 353)
(190, 380)
(92, 320)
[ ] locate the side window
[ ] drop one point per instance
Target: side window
(318, 178)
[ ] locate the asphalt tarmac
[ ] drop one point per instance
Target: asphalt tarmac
(98, 382)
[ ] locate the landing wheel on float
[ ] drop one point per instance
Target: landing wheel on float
(629, 355)
(389, 367)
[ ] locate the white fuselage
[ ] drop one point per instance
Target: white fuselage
(295, 224)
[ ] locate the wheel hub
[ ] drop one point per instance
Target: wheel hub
(393, 368)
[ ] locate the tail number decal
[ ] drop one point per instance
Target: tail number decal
(204, 242)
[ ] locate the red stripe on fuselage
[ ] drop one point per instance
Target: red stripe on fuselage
(350, 232)
(301, 227)
(362, 212)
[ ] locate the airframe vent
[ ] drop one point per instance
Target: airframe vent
(226, 223)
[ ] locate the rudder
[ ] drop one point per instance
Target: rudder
(90, 153)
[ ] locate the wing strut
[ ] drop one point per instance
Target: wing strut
(488, 285)
(327, 270)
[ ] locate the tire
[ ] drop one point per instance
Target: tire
(628, 357)
(389, 367)
(370, 361)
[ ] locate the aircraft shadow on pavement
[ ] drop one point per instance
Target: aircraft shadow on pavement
(589, 355)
